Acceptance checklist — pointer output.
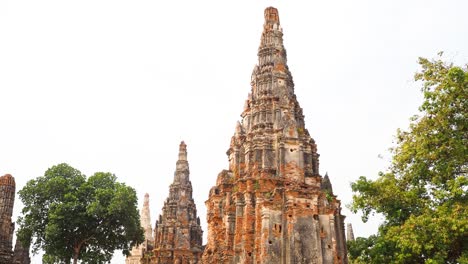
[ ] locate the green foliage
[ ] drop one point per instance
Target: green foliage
(329, 195)
(71, 217)
(423, 195)
(300, 131)
(269, 195)
(256, 185)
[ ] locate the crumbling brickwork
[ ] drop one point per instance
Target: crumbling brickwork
(21, 254)
(177, 234)
(139, 253)
(7, 227)
(272, 205)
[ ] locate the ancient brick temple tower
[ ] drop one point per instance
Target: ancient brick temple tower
(350, 233)
(138, 253)
(178, 235)
(272, 205)
(7, 227)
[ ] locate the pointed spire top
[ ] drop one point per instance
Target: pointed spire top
(326, 179)
(272, 22)
(181, 175)
(145, 218)
(271, 51)
(146, 200)
(326, 184)
(239, 130)
(7, 179)
(350, 233)
(182, 151)
(271, 16)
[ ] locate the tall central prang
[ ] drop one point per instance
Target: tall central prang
(272, 205)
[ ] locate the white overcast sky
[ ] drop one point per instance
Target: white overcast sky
(116, 85)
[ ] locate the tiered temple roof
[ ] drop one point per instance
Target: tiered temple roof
(272, 205)
(177, 234)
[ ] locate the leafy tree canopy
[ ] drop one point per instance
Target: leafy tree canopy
(423, 195)
(71, 217)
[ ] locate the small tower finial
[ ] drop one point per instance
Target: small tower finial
(239, 130)
(145, 218)
(146, 200)
(350, 233)
(326, 184)
(182, 151)
(181, 175)
(271, 16)
(7, 179)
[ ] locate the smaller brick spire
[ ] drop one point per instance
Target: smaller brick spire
(349, 233)
(177, 233)
(182, 151)
(8, 180)
(140, 250)
(326, 184)
(181, 175)
(7, 200)
(272, 39)
(145, 218)
(271, 16)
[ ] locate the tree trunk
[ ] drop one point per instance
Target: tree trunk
(76, 253)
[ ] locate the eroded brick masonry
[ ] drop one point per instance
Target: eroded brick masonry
(20, 255)
(178, 234)
(272, 205)
(140, 252)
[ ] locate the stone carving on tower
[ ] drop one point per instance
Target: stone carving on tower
(177, 234)
(7, 227)
(140, 252)
(272, 205)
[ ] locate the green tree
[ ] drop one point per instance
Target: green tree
(74, 218)
(423, 195)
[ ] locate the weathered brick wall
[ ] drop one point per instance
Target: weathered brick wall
(178, 234)
(7, 227)
(272, 205)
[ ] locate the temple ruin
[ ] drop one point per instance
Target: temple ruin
(7, 228)
(177, 233)
(140, 252)
(272, 205)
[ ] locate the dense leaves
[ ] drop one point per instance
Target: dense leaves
(71, 217)
(423, 195)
